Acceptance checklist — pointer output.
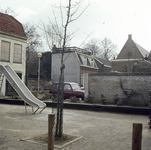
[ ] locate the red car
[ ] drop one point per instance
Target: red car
(70, 89)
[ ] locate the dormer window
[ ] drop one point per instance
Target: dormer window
(88, 62)
(80, 59)
(85, 61)
(92, 62)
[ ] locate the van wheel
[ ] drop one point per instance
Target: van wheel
(80, 98)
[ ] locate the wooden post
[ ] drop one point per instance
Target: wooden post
(150, 109)
(137, 136)
(51, 122)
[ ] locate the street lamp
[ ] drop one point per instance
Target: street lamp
(39, 55)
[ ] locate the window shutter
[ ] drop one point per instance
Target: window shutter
(17, 53)
(5, 51)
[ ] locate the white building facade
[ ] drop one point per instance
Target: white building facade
(12, 47)
(76, 64)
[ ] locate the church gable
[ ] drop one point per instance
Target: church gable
(132, 50)
(149, 57)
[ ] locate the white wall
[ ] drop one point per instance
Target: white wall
(72, 67)
(109, 86)
(19, 68)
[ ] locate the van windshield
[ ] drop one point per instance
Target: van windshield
(75, 86)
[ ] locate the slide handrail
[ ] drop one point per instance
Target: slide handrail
(20, 87)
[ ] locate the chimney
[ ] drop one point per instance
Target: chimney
(130, 36)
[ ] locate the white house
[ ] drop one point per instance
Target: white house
(77, 62)
(12, 47)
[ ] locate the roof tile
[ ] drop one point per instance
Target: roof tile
(11, 25)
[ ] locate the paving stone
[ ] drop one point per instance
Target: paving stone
(99, 130)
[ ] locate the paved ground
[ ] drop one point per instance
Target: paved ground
(100, 130)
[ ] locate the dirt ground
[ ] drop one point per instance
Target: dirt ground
(43, 138)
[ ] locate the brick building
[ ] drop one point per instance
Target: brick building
(131, 58)
(104, 65)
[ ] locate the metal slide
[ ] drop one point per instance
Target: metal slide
(21, 88)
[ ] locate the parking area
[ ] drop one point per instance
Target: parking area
(99, 130)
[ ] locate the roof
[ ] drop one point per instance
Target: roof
(104, 61)
(146, 61)
(10, 25)
(149, 57)
(143, 51)
(70, 49)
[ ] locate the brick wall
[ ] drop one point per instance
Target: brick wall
(109, 86)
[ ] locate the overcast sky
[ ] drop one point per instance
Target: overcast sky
(114, 19)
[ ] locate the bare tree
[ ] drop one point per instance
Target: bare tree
(107, 49)
(9, 11)
(60, 37)
(93, 47)
(104, 49)
(33, 43)
(34, 40)
(54, 35)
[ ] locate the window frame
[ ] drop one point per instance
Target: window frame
(3, 56)
(16, 54)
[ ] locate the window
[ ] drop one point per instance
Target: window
(88, 62)
(129, 54)
(55, 87)
(80, 59)
(92, 62)
(67, 87)
(5, 51)
(85, 61)
(75, 86)
(17, 53)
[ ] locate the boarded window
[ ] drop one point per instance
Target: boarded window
(5, 51)
(17, 53)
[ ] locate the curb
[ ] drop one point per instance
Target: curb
(86, 106)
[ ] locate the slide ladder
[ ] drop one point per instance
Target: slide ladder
(21, 88)
(1, 80)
